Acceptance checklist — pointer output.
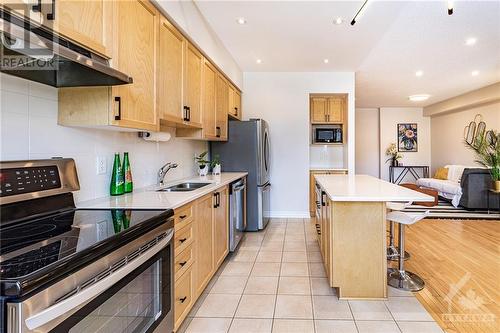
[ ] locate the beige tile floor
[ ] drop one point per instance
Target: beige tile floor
(276, 283)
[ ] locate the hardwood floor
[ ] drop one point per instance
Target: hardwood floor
(459, 261)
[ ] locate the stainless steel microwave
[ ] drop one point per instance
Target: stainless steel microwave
(327, 135)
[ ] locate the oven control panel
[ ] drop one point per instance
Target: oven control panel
(28, 179)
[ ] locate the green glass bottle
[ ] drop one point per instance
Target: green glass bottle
(127, 172)
(117, 187)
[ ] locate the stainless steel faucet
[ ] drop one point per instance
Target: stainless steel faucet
(163, 172)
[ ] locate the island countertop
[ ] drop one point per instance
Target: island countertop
(366, 188)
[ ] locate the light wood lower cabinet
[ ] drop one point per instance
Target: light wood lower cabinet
(184, 297)
(201, 243)
(204, 238)
(221, 228)
(312, 195)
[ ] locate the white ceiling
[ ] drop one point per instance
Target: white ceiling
(387, 45)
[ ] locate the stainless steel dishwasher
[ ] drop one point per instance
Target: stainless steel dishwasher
(237, 220)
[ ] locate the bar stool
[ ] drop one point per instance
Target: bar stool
(392, 251)
(399, 278)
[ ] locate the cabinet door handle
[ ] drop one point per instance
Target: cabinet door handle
(188, 113)
(183, 299)
(183, 263)
(182, 217)
(182, 240)
(216, 204)
(52, 16)
(118, 100)
(38, 7)
(185, 115)
(217, 131)
(236, 111)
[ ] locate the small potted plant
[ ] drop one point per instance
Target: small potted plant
(202, 163)
(395, 156)
(215, 164)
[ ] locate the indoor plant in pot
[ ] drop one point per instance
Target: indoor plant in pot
(394, 155)
(215, 164)
(487, 153)
(202, 163)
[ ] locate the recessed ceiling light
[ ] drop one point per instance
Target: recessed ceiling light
(241, 20)
(338, 20)
(419, 98)
(474, 73)
(419, 73)
(470, 41)
(259, 61)
(326, 61)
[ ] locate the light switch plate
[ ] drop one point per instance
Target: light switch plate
(101, 165)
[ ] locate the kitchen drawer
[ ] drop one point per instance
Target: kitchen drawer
(183, 261)
(183, 216)
(183, 297)
(183, 238)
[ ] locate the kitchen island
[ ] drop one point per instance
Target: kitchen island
(351, 224)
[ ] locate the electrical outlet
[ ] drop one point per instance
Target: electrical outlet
(101, 165)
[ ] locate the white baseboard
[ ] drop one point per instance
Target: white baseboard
(287, 214)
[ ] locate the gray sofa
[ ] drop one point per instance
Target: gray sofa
(475, 183)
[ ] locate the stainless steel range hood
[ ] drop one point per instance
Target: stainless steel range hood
(37, 54)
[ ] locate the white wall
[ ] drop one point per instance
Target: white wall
(29, 130)
(189, 18)
(448, 134)
(389, 118)
(368, 142)
(282, 99)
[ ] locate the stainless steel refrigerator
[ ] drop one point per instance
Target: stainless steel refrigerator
(247, 149)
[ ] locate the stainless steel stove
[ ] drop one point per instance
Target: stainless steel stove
(64, 269)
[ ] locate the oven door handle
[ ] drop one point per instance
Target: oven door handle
(43, 317)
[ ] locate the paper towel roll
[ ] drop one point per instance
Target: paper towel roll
(155, 136)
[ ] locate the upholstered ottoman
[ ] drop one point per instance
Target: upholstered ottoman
(431, 192)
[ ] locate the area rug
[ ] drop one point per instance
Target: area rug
(444, 209)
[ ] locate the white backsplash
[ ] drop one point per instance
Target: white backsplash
(29, 130)
(325, 156)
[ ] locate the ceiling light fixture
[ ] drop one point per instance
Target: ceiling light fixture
(419, 73)
(419, 98)
(474, 73)
(360, 12)
(241, 20)
(259, 61)
(470, 41)
(339, 20)
(326, 61)
(450, 7)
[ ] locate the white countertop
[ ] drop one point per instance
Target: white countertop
(366, 188)
(150, 198)
(327, 169)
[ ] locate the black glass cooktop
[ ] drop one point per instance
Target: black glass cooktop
(35, 245)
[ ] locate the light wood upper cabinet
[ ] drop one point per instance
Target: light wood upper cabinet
(193, 84)
(335, 110)
(28, 8)
(221, 106)
(85, 22)
(234, 103)
(172, 48)
(204, 228)
(319, 109)
(328, 109)
(209, 96)
(135, 53)
(221, 226)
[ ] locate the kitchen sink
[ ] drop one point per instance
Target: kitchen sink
(183, 187)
